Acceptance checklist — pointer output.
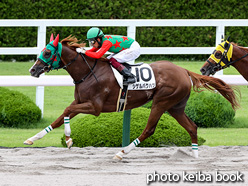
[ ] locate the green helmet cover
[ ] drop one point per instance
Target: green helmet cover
(94, 32)
(55, 56)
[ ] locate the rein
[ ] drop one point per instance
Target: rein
(231, 62)
(65, 67)
(91, 71)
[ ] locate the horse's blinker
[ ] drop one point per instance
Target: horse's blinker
(55, 49)
(226, 50)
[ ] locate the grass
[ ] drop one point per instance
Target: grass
(58, 98)
(15, 137)
(224, 136)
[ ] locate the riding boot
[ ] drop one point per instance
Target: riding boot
(130, 78)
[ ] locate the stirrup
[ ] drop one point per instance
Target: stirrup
(129, 79)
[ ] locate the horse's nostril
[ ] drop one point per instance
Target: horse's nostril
(32, 70)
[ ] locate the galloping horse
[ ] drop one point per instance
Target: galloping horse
(224, 55)
(96, 90)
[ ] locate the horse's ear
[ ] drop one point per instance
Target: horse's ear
(226, 43)
(51, 38)
(56, 41)
(222, 38)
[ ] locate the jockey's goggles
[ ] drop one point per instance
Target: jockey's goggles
(92, 42)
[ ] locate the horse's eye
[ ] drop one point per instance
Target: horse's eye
(218, 55)
(47, 54)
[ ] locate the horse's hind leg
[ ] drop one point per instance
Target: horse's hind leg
(156, 113)
(188, 124)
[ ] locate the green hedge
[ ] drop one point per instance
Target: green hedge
(207, 109)
(129, 9)
(106, 130)
(16, 109)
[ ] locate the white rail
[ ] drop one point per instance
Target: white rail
(66, 80)
(27, 81)
(130, 24)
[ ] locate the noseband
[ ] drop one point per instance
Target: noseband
(214, 67)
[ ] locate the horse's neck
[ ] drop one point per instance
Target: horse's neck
(241, 65)
(77, 69)
(81, 67)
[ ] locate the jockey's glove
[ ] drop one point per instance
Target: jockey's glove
(81, 50)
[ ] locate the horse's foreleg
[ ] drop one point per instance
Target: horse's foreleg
(67, 131)
(57, 123)
(85, 108)
(38, 136)
(72, 110)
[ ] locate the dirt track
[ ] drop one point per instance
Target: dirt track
(95, 166)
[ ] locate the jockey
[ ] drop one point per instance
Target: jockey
(124, 49)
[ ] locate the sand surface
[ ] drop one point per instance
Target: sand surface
(92, 166)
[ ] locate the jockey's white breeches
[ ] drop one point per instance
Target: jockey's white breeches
(127, 55)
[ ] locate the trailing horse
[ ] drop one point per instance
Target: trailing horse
(226, 54)
(96, 90)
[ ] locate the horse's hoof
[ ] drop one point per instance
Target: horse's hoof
(118, 156)
(28, 142)
(69, 143)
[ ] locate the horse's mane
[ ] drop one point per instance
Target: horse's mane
(72, 42)
(242, 48)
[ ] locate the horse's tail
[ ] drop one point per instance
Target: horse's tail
(212, 84)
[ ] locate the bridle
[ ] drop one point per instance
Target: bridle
(48, 67)
(214, 67)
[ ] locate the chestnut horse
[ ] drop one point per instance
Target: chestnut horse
(224, 55)
(96, 91)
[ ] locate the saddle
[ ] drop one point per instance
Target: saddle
(127, 65)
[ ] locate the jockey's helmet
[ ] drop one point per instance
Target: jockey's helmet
(93, 33)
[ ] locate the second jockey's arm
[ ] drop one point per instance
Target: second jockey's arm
(98, 53)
